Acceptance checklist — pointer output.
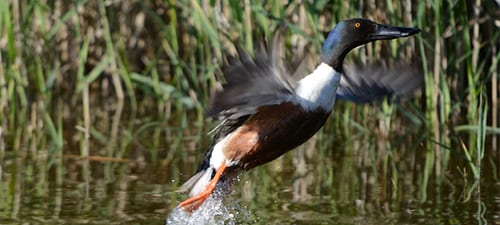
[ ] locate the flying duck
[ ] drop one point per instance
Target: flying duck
(264, 112)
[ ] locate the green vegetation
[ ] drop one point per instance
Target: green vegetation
(84, 81)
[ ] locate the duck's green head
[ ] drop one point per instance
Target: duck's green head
(352, 33)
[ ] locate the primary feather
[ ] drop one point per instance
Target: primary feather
(251, 82)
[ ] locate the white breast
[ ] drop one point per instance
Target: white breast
(318, 89)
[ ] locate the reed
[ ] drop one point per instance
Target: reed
(91, 78)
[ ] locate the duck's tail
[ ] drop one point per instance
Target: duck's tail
(204, 182)
(197, 183)
(203, 185)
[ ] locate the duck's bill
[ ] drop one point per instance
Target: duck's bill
(390, 32)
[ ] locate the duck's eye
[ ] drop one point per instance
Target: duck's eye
(357, 25)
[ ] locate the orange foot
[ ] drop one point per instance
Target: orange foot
(193, 203)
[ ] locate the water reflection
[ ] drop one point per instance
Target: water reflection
(342, 176)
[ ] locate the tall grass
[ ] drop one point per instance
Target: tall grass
(67, 64)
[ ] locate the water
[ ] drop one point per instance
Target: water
(213, 211)
(359, 178)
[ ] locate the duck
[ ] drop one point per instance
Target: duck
(263, 112)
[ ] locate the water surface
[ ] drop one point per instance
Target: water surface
(348, 176)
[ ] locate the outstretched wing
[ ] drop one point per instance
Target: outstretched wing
(367, 83)
(251, 82)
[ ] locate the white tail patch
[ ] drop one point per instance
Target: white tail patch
(198, 182)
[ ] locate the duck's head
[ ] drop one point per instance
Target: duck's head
(352, 33)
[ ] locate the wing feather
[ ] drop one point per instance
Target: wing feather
(367, 83)
(251, 82)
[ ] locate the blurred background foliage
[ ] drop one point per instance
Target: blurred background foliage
(128, 81)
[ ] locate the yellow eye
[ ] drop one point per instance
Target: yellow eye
(357, 24)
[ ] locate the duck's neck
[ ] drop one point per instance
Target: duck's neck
(318, 89)
(334, 50)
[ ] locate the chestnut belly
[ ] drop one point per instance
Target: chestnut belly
(272, 131)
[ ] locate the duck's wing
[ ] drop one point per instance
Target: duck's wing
(251, 82)
(367, 83)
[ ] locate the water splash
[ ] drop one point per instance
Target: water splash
(213, 211)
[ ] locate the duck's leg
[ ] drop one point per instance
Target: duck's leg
(194, 202)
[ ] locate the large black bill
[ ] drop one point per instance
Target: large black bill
(390, 32)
